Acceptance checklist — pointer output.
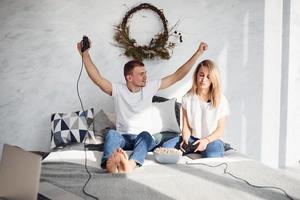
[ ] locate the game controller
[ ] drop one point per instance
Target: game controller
(189, 148)
(85, 43)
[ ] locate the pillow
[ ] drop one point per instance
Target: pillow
(102, 123)
(164, 117)
(74, 127)
(112, 117)
(177, 106)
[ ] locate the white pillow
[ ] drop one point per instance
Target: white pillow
(164, 117)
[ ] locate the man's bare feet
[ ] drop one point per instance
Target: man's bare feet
(112, 163)
(126, 165)
(118, 162)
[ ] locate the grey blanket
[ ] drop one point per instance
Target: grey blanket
(179, 181)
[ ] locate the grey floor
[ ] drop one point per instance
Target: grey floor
(292, 171)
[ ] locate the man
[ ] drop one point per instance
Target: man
(131, 101)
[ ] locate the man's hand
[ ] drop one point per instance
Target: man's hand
(79, 47)
(202, 47)
(184, 69)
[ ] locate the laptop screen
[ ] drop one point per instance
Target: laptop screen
(19, 173)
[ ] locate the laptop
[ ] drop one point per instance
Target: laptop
(20, 177)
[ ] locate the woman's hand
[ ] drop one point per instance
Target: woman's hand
(201, 144)
(184, 142)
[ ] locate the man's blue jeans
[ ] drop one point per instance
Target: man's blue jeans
(213, 149)
(140, 144)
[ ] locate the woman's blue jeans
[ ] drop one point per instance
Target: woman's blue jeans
(139, 144)
(213, 149)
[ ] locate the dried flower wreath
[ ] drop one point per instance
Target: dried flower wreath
(159, 45)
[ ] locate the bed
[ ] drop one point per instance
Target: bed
(190, 178)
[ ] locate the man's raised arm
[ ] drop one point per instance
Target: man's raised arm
(93, 72)
(184, 69)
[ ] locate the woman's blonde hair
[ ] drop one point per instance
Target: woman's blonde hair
(215, 87)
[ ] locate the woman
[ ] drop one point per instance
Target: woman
(204, 114)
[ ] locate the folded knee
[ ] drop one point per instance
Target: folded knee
(112, 134)
(145, 134)
(215, 149)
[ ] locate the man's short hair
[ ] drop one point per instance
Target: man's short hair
(128, 67)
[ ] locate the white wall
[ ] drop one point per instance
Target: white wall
(271, 82)
(39, 64)
(290, 117)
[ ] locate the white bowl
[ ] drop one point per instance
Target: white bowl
(167, 155)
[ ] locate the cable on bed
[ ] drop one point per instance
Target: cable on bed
(85, 159)
(90, 176)
(238, 178)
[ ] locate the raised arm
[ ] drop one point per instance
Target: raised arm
(184, 69)
(93, 72)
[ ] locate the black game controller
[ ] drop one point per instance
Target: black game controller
(85, 43)
(189, 148)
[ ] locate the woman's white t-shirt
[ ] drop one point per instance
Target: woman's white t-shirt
(202, 117)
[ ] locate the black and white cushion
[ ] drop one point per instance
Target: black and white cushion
(68, 128)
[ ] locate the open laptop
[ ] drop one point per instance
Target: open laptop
(20, 177)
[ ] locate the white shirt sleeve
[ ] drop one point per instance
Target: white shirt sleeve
(184, 101)
(115, 89)
(223, 108)
(152, 87)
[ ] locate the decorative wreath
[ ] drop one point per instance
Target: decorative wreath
(158, 46)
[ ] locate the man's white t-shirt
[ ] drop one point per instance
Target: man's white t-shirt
(133, 109)
(202, 117)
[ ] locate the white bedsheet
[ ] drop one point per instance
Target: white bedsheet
(94, 158)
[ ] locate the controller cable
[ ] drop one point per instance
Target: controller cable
(84, 142)
(238, 178)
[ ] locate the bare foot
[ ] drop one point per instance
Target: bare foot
(125, 165)
(113, 162)
(118, 162)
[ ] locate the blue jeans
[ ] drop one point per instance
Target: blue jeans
(140, 144)
(213, 149)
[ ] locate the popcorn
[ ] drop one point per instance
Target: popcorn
(163, 150)
(167, 155)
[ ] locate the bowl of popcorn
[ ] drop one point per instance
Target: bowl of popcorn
(167, 155)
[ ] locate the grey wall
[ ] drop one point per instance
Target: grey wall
(39, 63)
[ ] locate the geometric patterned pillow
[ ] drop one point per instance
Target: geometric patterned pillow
(68, 128)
